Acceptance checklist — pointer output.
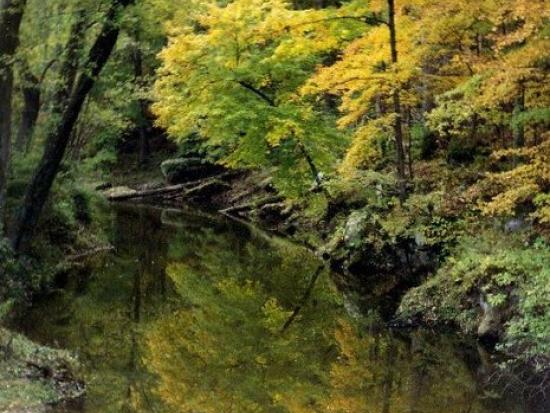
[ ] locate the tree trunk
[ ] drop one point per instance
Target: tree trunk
(11, 14)
(312, 167)
(398, 130)
(517, 127)
(57, 140)
(143, 144)
(31, 109)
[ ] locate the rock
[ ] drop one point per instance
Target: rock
(514, 225)
(182, 170)
(354, 229)
(491, 321)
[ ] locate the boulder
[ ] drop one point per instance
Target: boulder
(181, 170)
(355, 229)
(490, 325)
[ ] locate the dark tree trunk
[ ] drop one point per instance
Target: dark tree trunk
(312, 167)
(518, 129)
(69, 67)
(56, 144)
(11, 14)
(31, 109)
(398, 129)
(143, 144)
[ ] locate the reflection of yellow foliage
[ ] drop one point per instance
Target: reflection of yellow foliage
(227, 351)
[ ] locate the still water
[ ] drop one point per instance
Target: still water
(198, 314)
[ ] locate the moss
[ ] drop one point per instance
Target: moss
(33, 376)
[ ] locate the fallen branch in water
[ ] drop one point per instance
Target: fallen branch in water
(93, 251)
(145, 193)
(207, 188)
(252, 204)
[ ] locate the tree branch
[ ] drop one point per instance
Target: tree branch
(370, 19)
(257, 92)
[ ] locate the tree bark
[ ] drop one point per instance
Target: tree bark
(31, 109)
(518, 129)
(143, 144)
(397, 126)
(11, 14)
(58, 139)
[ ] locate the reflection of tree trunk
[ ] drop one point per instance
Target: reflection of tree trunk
(389, 375)
(162, 278)
(135, 313)
(305, 297)
(418, 372)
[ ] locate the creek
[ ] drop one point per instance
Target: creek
(198, 313)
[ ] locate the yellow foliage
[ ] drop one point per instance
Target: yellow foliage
(522, 183)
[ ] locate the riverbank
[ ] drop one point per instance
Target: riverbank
(33, 377)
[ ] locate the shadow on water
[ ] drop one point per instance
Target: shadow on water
(196, 313)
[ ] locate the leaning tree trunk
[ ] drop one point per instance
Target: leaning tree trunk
(397, 126)
(58, 139)
(11, 14)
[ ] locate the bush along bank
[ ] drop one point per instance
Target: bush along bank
(495, 285)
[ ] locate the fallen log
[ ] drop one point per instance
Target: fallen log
(144, 193)
(129, 193)
(252, 204)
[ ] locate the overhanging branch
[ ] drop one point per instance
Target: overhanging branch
(257, 92)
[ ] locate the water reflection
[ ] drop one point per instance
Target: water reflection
(197, 314)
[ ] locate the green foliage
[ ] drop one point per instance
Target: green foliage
(512, 276)
(12, 277)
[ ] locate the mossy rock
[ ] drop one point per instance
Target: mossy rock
(182, 170)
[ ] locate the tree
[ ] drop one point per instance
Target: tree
(58, 139)
(11, 14)
(232, 73)
(370, 78)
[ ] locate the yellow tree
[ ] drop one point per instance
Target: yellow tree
(375, 78)
(232, 73)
